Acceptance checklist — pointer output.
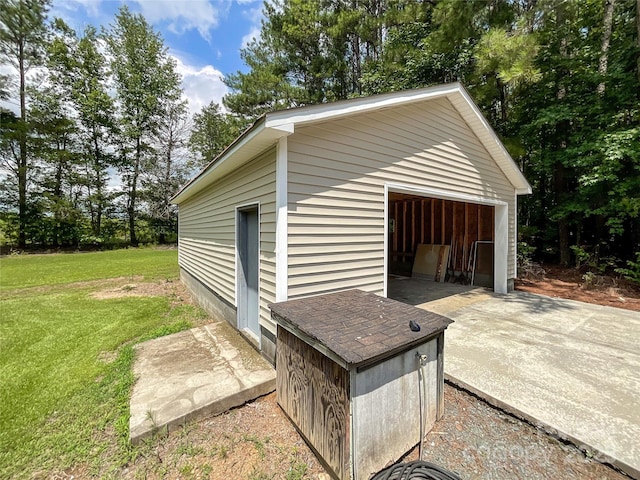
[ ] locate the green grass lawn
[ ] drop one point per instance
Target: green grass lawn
(56, 269)
(65, 356)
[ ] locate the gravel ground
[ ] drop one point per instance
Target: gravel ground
(258, 442)
(479, 441)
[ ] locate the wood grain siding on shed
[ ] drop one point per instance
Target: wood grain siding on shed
(337, 172)
(313, 391)
(207, 231)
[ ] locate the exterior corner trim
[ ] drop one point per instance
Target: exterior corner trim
(282, 221)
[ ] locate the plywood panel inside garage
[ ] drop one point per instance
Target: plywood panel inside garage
(414, 220)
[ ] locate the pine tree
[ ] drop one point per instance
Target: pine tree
(22, 39)
(146, 84)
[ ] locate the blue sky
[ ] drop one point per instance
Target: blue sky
(204, 36)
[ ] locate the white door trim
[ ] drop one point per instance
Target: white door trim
(245, 327)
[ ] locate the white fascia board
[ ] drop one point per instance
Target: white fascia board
(246, 147)
(495, 147)
(286, 128)
(500, 248)
(352, 106)
(192, 186)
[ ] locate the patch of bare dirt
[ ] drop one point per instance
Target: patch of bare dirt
(90, 284)
(173, 289)
(571, 284)
(255, 441)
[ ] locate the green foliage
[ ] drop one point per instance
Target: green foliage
(591, 259)
(147, 88)
(163, 175)
(297, 470)
(285, 62)
(534, 68)
(632, 272)
(525, 253)
(581, 255)
(308, 52)
(570, 121)
(212, 132)
(80, 70)
(57, 154)
(22, 40)
(508, 55)
(8, 230)
(22, 31)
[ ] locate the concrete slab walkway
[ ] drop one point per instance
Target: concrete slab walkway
(193, 374)
(569, 366)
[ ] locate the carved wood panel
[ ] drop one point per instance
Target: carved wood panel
(314, 392)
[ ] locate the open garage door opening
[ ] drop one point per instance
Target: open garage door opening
(446, 245)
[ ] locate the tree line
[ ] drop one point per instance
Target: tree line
(101, 138)
(559, 80)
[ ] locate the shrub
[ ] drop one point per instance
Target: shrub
(632, 272)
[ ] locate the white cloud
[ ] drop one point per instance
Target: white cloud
(201, 84)
(182, 15)
(254, 33)
(255, 16)
(91, 7)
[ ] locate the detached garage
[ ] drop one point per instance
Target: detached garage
(339, 196)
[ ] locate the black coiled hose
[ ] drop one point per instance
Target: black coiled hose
(418, 470)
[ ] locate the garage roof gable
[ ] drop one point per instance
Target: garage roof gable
(266, 131)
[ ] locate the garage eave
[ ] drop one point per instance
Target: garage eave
(485, 133)
(257, 139)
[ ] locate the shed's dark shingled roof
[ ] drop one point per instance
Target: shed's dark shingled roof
(359, 327)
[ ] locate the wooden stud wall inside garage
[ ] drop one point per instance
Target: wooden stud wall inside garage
(435, 221)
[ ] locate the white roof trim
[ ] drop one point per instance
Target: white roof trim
(328, 111)
(267, 129)
(251, 143)
(495, 146)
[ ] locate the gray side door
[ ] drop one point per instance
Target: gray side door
(248, 270)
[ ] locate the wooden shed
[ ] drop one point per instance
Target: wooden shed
(338, 196)
(358, 383)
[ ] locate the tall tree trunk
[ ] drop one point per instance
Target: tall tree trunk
(563, 222)
(638, 37)
(562, 131)
(162, 238)
(131, 210)
(22, 162)
(88, 174)
(57, 194)
(502, 90)
(607, 26)
(356, 68)
(97, 224)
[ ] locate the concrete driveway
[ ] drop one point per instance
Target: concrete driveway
(571, 367)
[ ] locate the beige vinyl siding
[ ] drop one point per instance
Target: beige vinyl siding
(207, 231)
(337, 172)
